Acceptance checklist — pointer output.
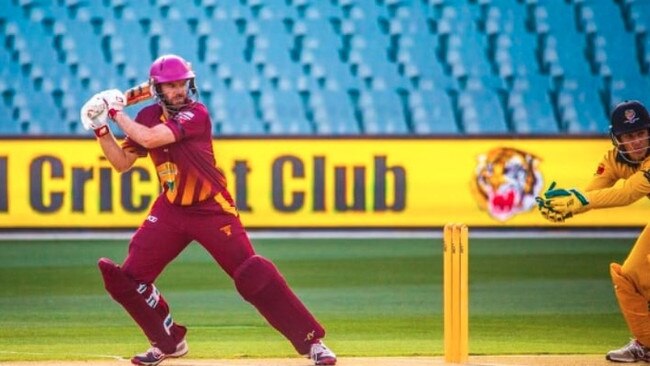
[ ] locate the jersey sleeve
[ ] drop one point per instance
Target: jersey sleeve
(189, 123)
(632, 189)
(604, 176)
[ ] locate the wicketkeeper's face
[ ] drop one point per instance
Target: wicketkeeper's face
(174, 92)
(635, 144)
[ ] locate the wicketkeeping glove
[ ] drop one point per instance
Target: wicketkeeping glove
(548, 213)
(562, 202)
(93, 113)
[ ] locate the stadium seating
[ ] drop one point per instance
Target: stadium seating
(338, 67)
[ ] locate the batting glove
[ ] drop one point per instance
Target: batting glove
(114, 100)
(93, 113)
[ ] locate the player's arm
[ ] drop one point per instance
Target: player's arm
(601, 192)
(558, 204)
(94, 117)
(605, 175)
(600, 182)
(632, 189)
(121, 159)
(148, 137)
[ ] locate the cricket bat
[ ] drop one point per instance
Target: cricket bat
(138, 93)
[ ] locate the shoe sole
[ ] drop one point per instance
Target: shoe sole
(173, 355)
(608, 358)
(326, 362)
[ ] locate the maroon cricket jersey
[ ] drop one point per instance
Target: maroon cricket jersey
(186, 168)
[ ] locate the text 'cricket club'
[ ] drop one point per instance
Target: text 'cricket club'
(345, 186)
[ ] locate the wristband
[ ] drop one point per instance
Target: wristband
(102, 131)
(112, 113)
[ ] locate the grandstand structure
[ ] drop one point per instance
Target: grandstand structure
(335, 67)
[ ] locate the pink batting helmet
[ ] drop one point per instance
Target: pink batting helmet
(169, 68)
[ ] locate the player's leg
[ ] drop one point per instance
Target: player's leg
(260, 283)
(631, 284)
(634, 307)
(154, 245)
(636, 266)
(148, 308)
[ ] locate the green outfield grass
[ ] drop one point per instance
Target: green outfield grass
(375, 297)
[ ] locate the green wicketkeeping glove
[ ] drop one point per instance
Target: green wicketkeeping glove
(564, 202)
(548, 213)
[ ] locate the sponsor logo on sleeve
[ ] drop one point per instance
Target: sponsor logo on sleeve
(184, 116)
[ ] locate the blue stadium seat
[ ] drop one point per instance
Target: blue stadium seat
(333, 113)
(432, 112)
(533, 66)
(569, 45)
(8, 126)
(533, 89)
(285, 113)
(592, 116)
(315, 43)
(181, 40)
(237, 112)
(626, 89)
(276, 44)
(606, 15)
(276, 9)
(577, 116)
(382, 113)
(421, 55)
(531, 113)
(638, 13)
(481, 112)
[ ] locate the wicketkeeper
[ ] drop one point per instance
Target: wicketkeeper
(627, 161)
(194, 205)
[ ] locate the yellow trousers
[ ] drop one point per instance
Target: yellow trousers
(632, 287)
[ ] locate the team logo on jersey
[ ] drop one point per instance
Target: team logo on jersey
(601, 169)
(184, 116)
(168, 173)
(226, 230)
(310, 336)
(506, 181)
(630, 116)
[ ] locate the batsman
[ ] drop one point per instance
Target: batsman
(628, 162)
(194, 205)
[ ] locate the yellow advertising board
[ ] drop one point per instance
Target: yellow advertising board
(315, 183)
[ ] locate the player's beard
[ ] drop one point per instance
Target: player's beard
(178, 100)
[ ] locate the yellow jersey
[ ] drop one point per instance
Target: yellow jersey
(602, 190)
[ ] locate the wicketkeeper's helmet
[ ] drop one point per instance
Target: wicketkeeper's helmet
(627, 117)
(169, 68)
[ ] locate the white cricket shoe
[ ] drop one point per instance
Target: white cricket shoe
(321, 355)
(632, 352)
(154, 355)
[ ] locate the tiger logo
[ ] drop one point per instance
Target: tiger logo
(506, 181)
